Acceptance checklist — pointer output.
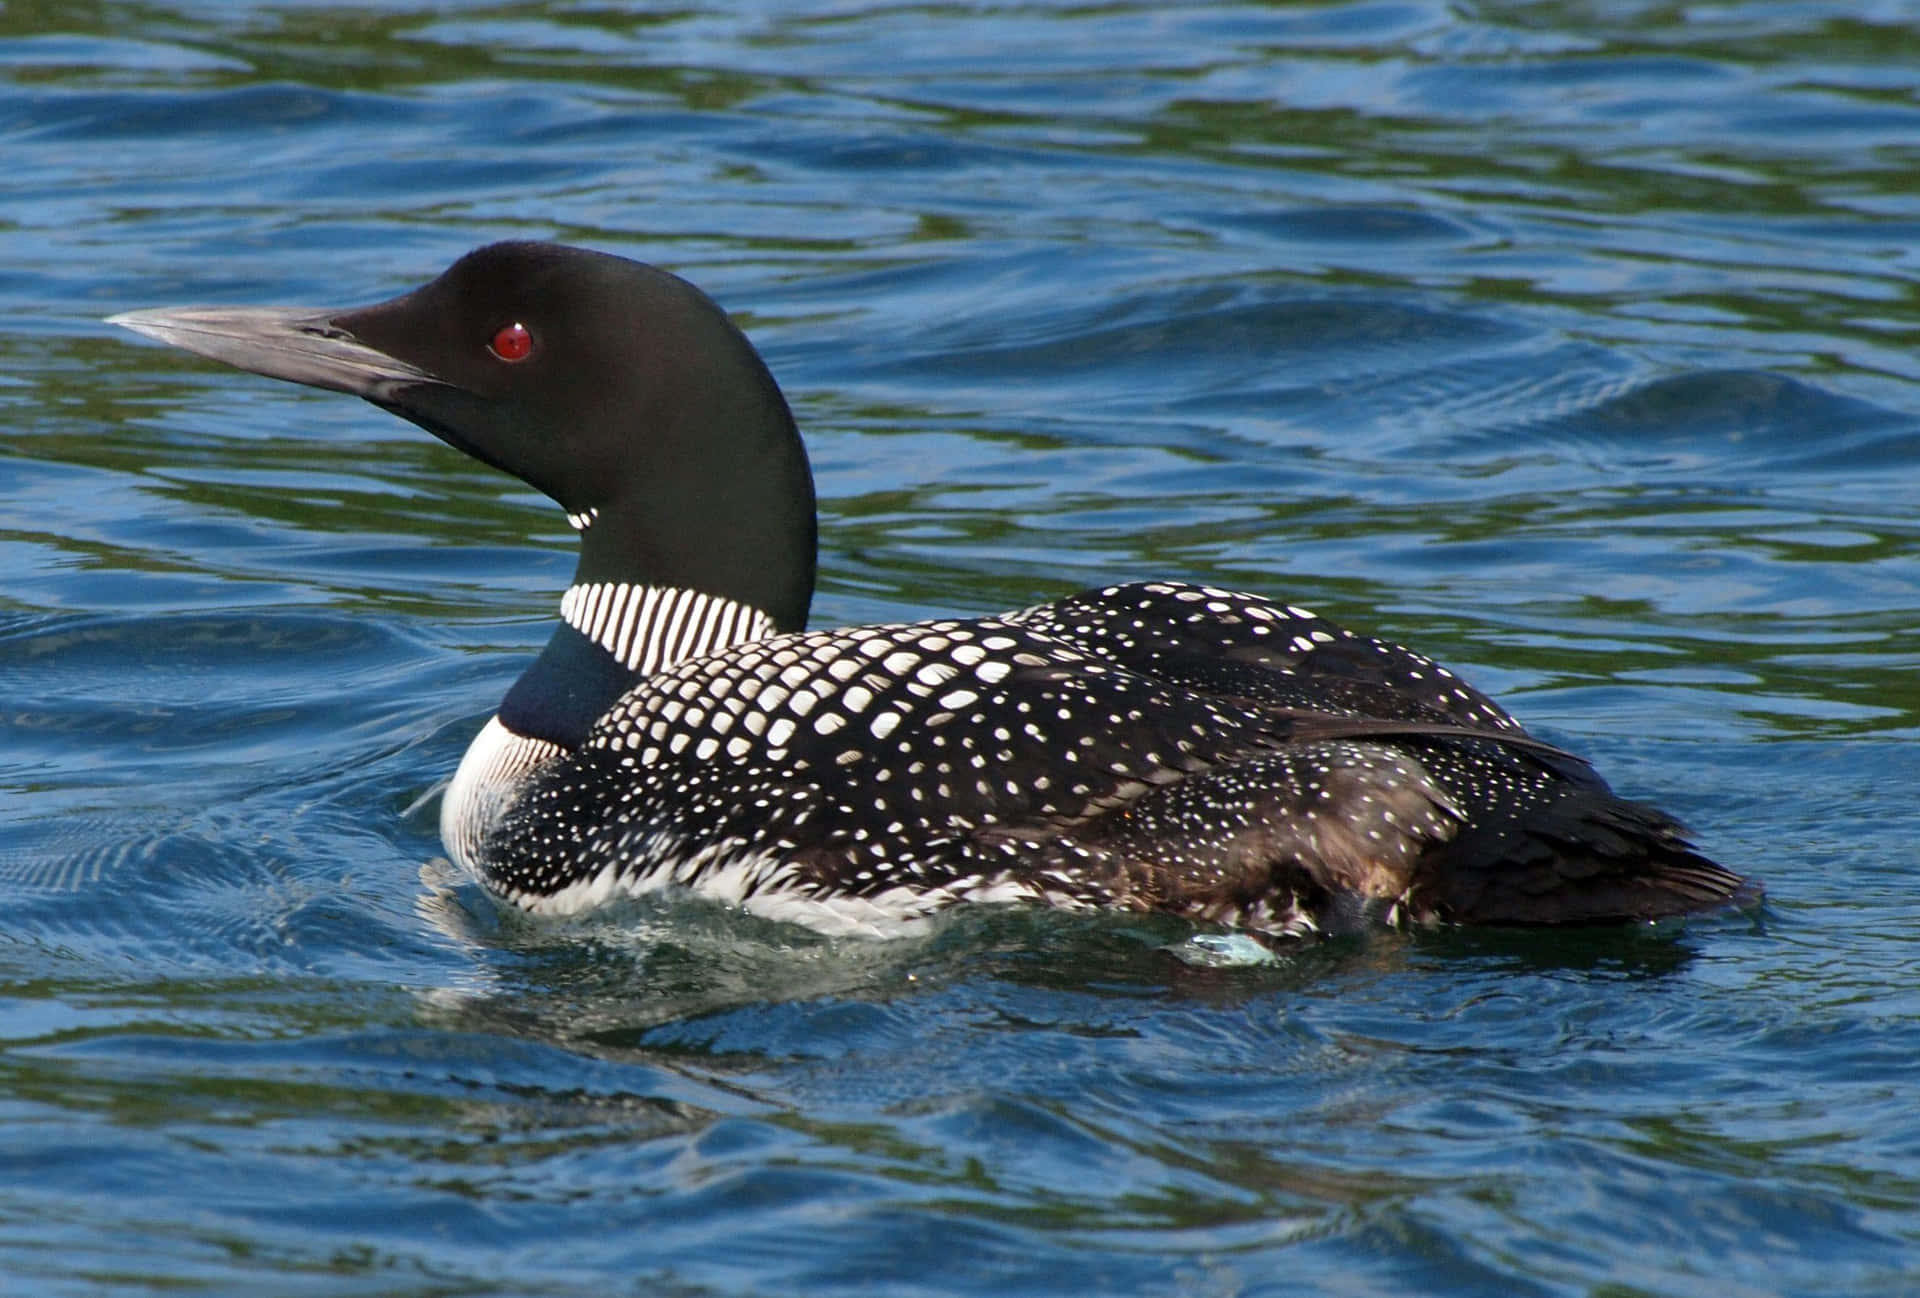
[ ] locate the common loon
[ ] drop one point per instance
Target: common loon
(1155, 746)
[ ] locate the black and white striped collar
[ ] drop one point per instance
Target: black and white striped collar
(649, 628)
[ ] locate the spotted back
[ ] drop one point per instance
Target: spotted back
(1246, 646)
(866, 758)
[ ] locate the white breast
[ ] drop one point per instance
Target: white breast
(490, 777)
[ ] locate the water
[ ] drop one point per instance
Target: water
(1572, 343)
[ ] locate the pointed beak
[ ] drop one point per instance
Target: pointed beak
(294, 343)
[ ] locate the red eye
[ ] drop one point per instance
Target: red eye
(513, 343)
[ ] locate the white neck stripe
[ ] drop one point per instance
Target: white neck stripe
(649, 628)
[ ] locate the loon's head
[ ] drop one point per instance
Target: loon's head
(615, 388)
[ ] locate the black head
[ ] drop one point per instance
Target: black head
(617, 389)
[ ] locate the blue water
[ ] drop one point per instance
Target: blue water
(1572, 343)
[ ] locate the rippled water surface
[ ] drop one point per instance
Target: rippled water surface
(1572, 343)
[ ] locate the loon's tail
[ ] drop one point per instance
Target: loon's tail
(1588, 857)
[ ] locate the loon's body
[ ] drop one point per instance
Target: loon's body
(1153, 746)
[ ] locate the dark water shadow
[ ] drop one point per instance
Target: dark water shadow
(666, 978)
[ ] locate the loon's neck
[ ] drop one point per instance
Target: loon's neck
(723, 505)
(611, 635)
(676, 561)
